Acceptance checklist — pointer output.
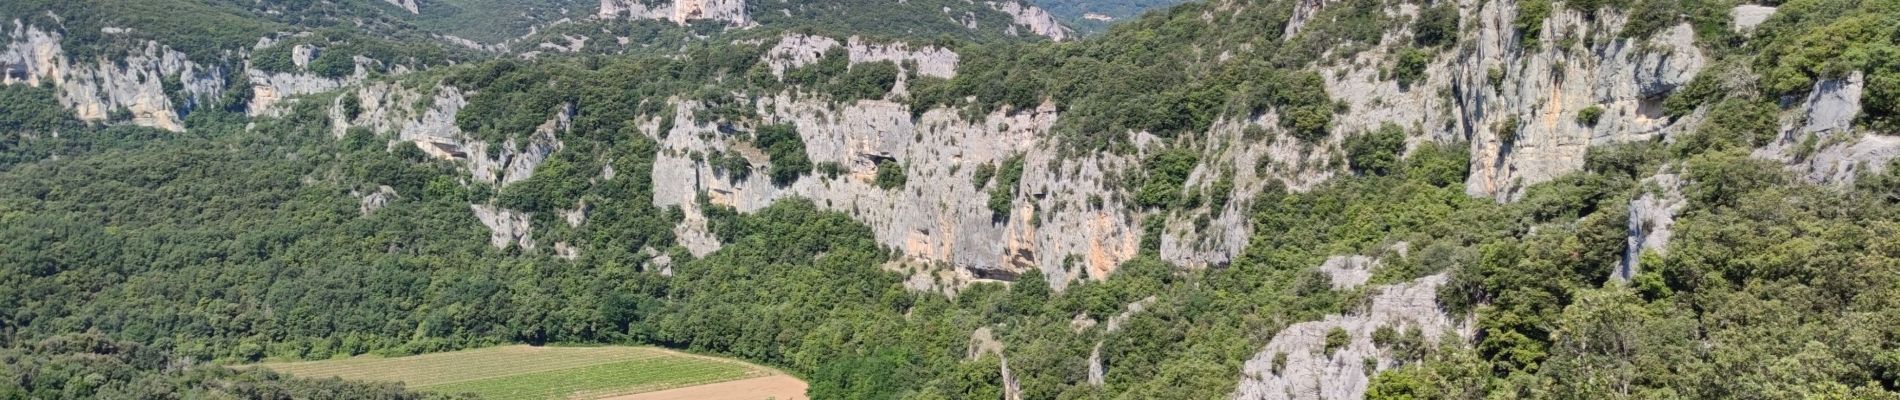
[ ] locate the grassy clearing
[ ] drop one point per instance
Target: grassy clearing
(526, 372)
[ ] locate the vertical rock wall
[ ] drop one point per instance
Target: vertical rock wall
(96, 89)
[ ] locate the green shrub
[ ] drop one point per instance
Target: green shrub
(352, 106)
(1652, 16)
(982, 175)
(787, 149)
(1732, 123)
(1336, 339)
(1411, 66)
(1507, 129)
(1438, 164)
(1530, 19)
(1000, 201)
(1589, 115)
(1436, 25)
(890, 175)
(1376, 152)
(1167, 171)
(830, 169)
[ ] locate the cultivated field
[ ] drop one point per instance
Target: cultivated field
(526, 372)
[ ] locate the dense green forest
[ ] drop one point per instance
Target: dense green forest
(129, 257)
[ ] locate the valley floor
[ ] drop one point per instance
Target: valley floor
(536, 372)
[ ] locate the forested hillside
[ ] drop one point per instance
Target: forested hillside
(1226, 199)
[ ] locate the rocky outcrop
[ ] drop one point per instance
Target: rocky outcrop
(681, 12)
(1034, 19)
(506, 227)
(1297, 365)
(1652, 217)
(1257, 163)
(1747, 16)
(376, 200)
(1302, 11)
(516, 160)
(270, 90)
(1348, 272)
(133, 86)
(1818, 138)
(798, 50)
(1097, 370)
(428, 121)
(409, 5)
(1523, 130)
(940, 215)
(156, 85)
(983, 343)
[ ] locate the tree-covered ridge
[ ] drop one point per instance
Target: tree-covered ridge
(1772, 288)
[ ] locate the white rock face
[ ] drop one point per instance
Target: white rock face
(1543, 91)
(406, 5)
(1348, 271)
(1310, 373)
(1034, 19)
(134, 83)
(939, 215)
(95, 89)
(390, 108)
(376, 201)
(798, 50)
(679, 11)
(300, 55)
(1747, 16)
(270, 90)
(507, 227)
(1833, 104)
(1819, 141)
(1651, 218)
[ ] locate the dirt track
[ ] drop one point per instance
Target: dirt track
(776, 387)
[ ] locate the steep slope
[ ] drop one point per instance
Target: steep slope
(1675, 198)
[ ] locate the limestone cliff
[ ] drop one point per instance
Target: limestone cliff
(939, 215)
(133, 85)
(409, 5)
(1298, 364)
(678, 11)
(1033, 19)
(156, 86)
